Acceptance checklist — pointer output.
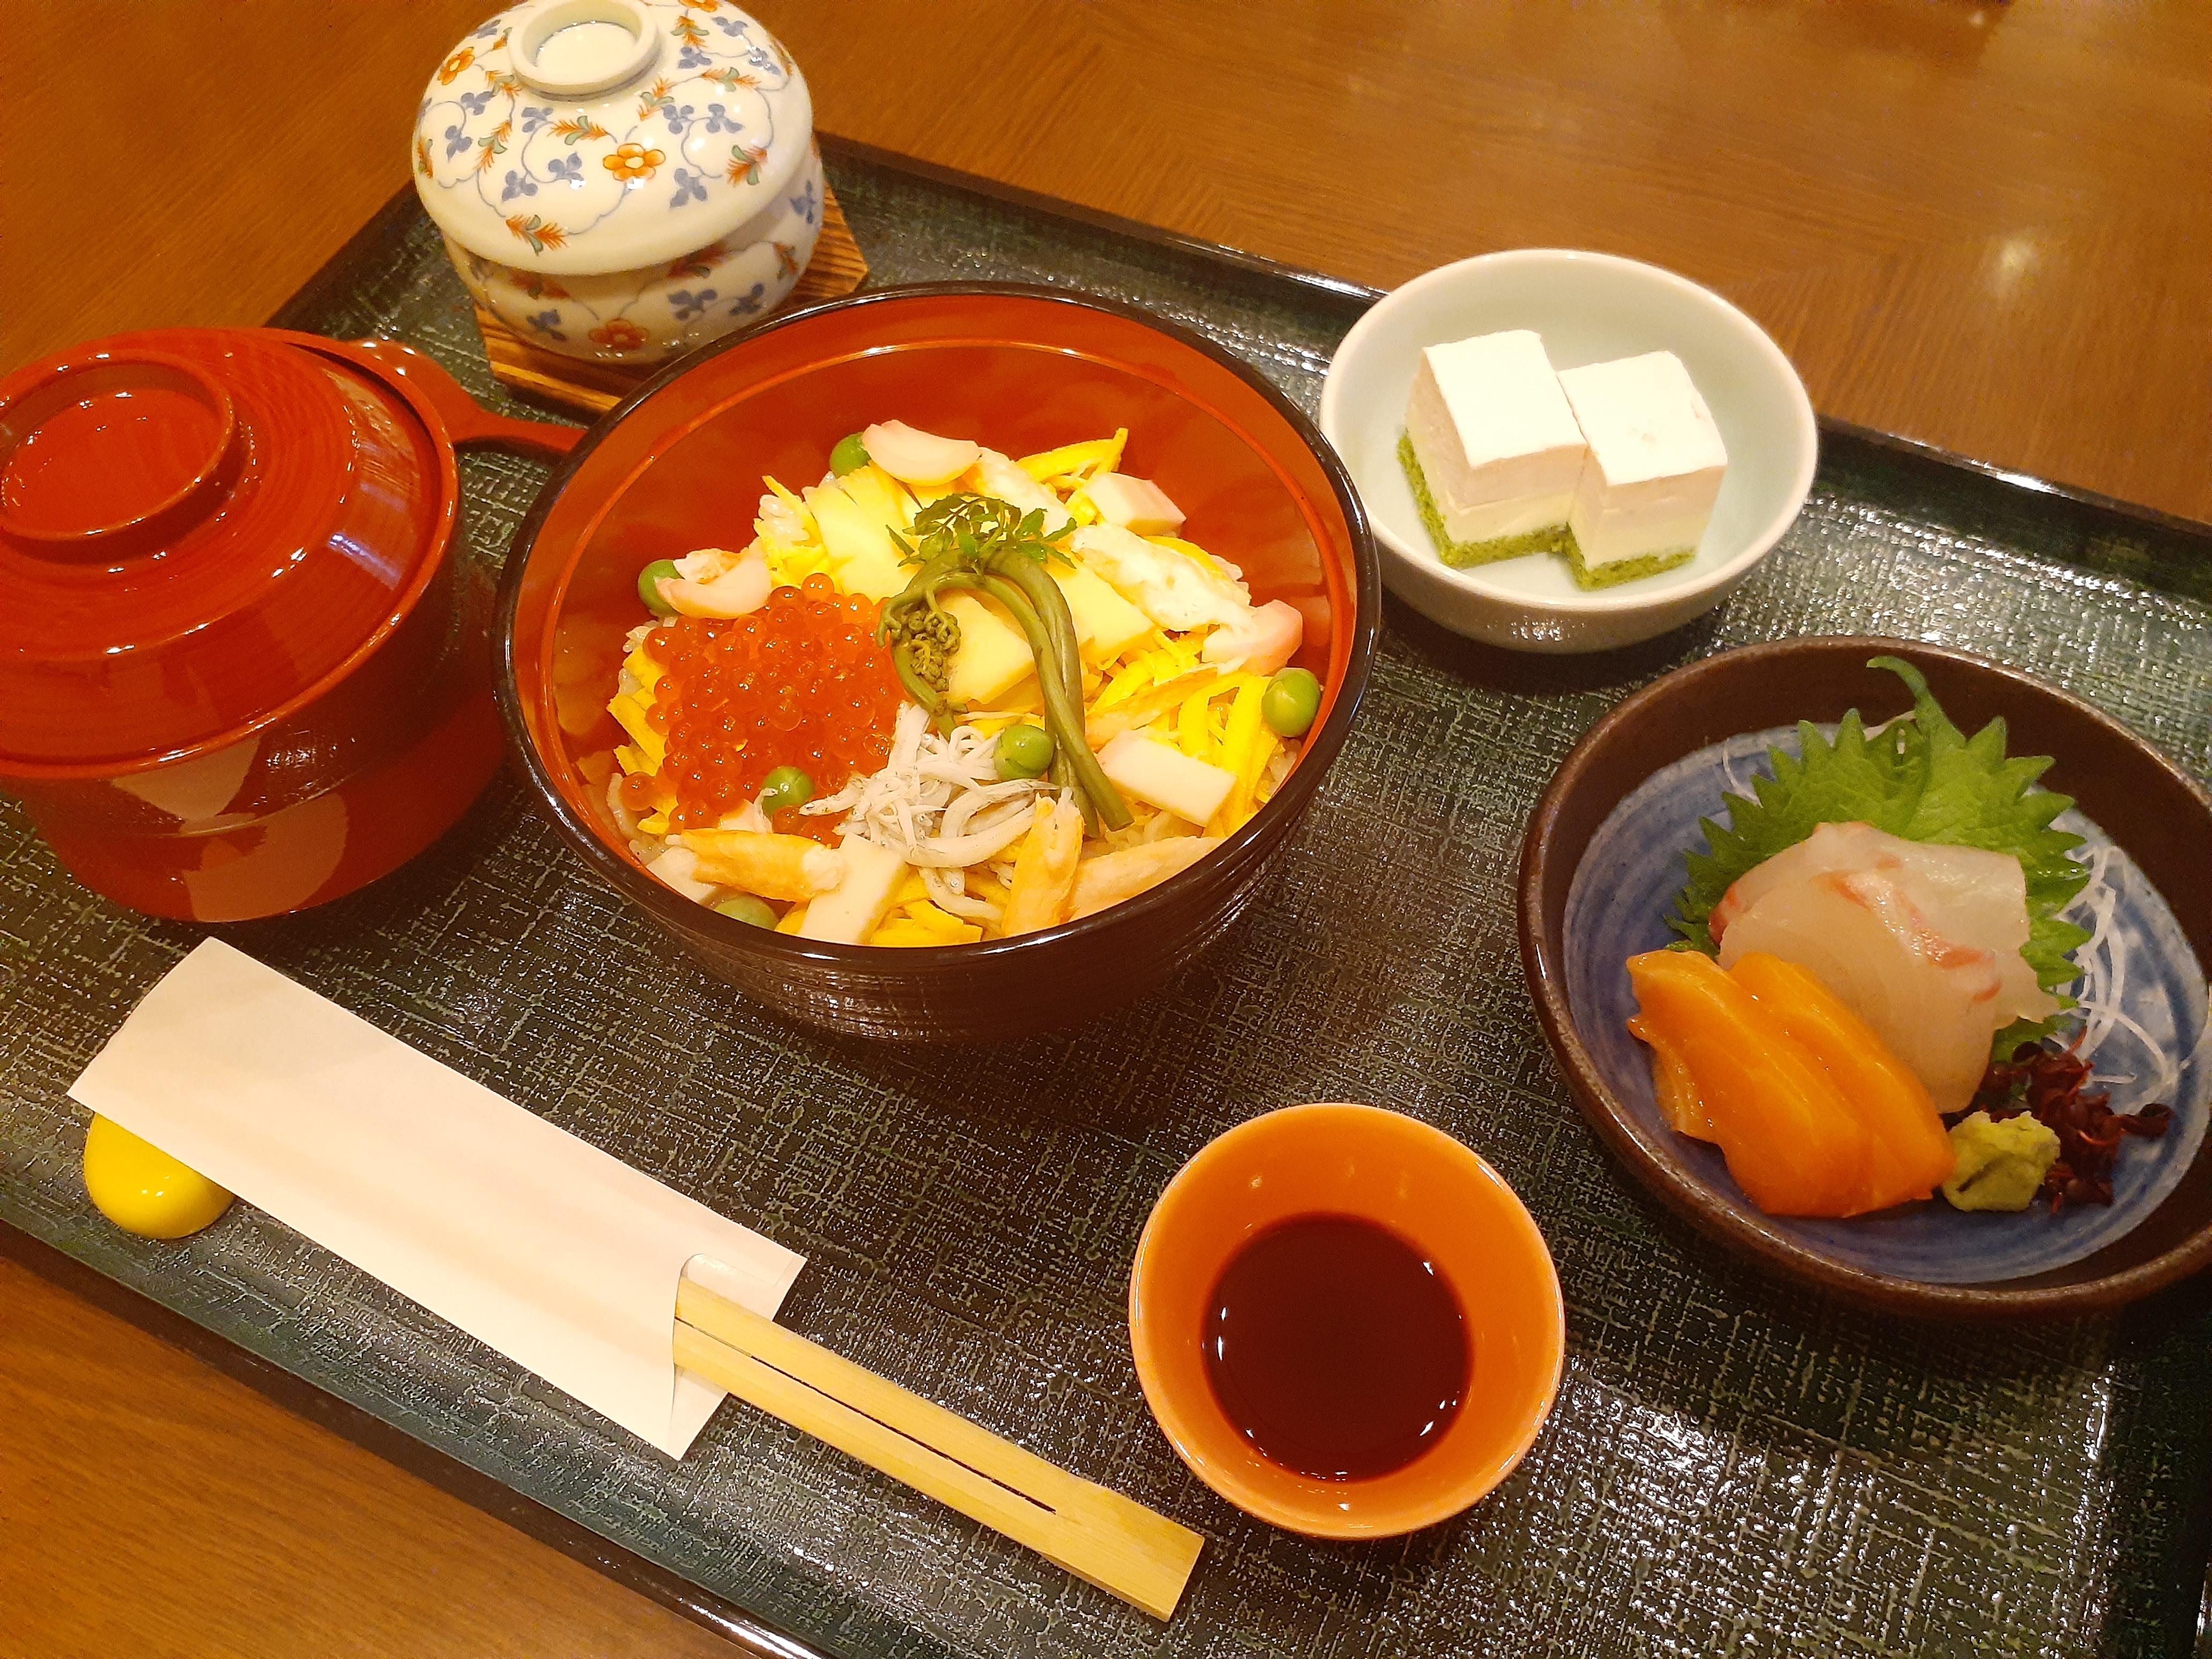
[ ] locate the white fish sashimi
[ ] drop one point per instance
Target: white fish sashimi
(1966, 896)
(1930, 998)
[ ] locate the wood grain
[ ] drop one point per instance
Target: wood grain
(1983, 225)
(152, 1507)
(177, 164)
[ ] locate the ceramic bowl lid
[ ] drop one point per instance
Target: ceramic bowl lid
(582, 136)
(197, 526)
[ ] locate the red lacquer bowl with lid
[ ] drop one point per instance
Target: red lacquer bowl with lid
(239, 672)
(679, 466)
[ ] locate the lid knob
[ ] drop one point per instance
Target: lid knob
(572, 48)
(115, 452)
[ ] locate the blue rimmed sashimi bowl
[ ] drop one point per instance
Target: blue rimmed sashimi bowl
(1602, 862)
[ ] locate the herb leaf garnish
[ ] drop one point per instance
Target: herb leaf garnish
(1921, 778)
(987, 546)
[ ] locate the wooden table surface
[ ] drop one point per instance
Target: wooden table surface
(1982, 226)
(149, 1506)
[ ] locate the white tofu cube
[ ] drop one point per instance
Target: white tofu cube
(1168, 778)
(677, 869)
(1497, 443)
(1137, 504)
(1655, 463)
(850, 911)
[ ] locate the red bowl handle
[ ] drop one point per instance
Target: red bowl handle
(466, 421)
(540, 437)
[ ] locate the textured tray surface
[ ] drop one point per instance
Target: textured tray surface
(1729, 1468)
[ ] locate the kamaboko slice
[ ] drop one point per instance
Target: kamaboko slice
(1966, 895)
(1792, 1142)
(1912, 1154)
(915, 456)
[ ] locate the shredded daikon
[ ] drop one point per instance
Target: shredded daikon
(2103, 991)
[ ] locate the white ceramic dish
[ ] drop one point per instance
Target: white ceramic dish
(1590, 307)
(622, 180)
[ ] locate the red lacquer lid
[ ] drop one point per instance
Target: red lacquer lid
(196, 525)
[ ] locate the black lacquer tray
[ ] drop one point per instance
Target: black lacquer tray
(1731, 1467)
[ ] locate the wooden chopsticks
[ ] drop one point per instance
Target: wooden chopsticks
(1099, 1535)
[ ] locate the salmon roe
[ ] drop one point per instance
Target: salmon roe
(801, 682)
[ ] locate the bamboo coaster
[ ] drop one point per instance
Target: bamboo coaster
(593, 388)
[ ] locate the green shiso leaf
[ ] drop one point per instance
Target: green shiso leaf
(1918, 777)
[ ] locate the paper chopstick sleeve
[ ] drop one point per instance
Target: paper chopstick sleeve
(538, 1243)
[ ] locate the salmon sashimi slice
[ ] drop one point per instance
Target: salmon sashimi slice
(1679, 1104)
(1792, 1142)
(1912, 1153)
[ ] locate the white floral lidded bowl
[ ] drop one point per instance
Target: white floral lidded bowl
(622, 179)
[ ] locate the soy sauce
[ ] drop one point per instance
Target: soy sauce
(1335, 1348)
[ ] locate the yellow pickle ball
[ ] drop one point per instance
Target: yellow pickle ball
(143, 1190)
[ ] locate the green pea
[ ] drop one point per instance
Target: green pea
(784, 788)
(648, 584)
(1023, 751)
(744, 907)
(849, 456)
(1289, 703)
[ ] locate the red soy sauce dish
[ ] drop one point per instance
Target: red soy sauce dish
(1344, 1321)
(239, 673)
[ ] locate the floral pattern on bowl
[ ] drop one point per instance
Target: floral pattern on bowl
(655, 196)
(704, 139)
(663, 311)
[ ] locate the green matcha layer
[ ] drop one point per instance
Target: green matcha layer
(1626, 570)
(1553, 539)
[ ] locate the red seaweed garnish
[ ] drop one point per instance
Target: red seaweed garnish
(2052, 1082)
